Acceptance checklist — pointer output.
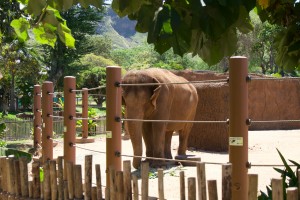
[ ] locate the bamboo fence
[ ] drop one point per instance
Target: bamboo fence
(55, 180)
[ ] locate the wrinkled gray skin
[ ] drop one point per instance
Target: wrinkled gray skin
(159, 102)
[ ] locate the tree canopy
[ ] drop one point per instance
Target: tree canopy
(208, 28)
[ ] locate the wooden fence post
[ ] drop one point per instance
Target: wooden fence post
(69, 121)
(37, 111)
(113, 116)
(238, 128)
(85, 97)
(47, 131)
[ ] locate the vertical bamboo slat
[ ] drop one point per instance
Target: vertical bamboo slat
(135, 187)
(145, 180)
(60, 174)
(212, 189)
(10, 177)
(94, 193)
(30, 190)
(201, 178)
(182, 186)
(78, 191)
(292, 193)
(98, 180)
(119, 185)
(252, 186)
(226, 181)
(112, 178)
(46, 182)
(88, 177)
(53, 180)
(66, 191)
(277, 189)
(2, 173)
(36, 186)
(24, 177)
(160, 173)
(298, 175)
(127, 179)
(191, 188)
(70, 179)
(107, 193)
(17, 178)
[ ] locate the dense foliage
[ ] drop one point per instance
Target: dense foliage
(206, 28)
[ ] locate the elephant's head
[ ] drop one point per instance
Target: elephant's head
(140, 102)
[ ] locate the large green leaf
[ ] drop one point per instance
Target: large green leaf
(212, 51)
(65, 35)
(45, 34)
(126, 7)
(35, 7)
(21, 27)
(61, 5)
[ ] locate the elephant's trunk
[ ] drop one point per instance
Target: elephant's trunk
(135, 131)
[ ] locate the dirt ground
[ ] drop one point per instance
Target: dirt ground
(262, 150)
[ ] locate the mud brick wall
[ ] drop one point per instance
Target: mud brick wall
(268, 100)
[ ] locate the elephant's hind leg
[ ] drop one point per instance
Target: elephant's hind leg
(183, 139)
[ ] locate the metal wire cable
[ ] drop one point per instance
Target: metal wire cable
(275, 121)
(177, 121)
(59, 117)
(273, 78)
(89, 89)
(172, 83)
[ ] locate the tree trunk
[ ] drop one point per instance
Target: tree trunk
(12, 99)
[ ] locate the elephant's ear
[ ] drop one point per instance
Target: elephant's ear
(155, 95)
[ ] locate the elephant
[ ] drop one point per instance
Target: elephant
(159, 100)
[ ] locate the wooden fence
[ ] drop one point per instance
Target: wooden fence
(53, 180)
(22, 129)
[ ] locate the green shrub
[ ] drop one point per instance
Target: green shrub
(289, 178)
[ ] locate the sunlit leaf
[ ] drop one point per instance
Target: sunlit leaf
(65, 35)
(45, 35)
(21, 27)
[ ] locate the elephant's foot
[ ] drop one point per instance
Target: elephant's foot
(157, 163)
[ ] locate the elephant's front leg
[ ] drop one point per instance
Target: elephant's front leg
(158, 142)
(148, 138)
(168, 140)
